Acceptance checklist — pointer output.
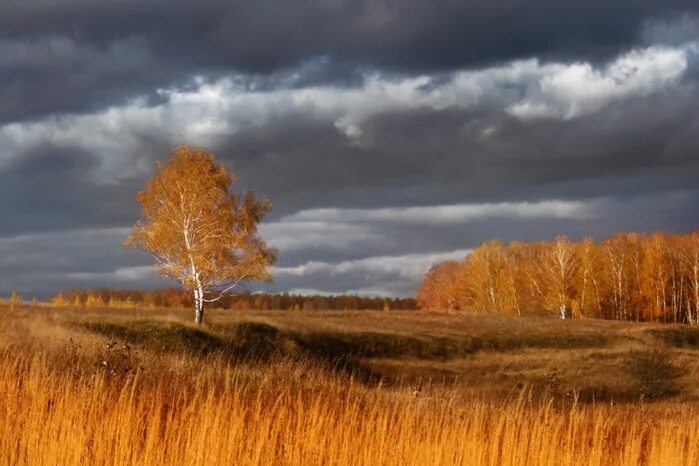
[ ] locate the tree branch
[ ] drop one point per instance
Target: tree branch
(233, 285)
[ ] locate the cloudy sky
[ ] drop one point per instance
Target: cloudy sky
(388, 134)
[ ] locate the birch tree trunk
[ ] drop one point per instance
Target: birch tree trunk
(199, 313)
(198, 306)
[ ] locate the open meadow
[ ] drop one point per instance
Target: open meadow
(144, 386)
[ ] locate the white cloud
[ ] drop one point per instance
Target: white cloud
(133, 275)
(569, 91)
(349, 231)
(409, 266)
(386, 289)
(212, 110)
(314, 292)
(292, 236)
(457, 213)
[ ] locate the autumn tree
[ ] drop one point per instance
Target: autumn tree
(678, 291)
(199, 233)
(484, 276)
(516, 277)
(558, 266)
(655, 275)
(689, 250)
(525, 259)
(627, 276)
(589, 294)
(94, 300)
(59, 300)
(617, 252)
(436, 290)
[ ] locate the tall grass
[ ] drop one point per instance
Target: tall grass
(223, 415)
(71, 397)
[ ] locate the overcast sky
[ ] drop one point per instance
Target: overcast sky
(389, 135)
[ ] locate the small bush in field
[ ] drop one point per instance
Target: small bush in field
(654, 372)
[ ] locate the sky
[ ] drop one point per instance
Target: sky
(389, 135)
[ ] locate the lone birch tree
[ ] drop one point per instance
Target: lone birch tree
(199, 233)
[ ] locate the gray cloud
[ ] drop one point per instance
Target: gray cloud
(77, 55)
(43, 263)
(55, 188)
(366, 256)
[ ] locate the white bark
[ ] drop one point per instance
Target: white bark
(198, 305)
(198, 286)
(691, 257)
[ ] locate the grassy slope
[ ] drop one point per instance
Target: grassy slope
(146, 387)
(481, 354)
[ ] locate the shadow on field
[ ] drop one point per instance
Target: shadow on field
(245, 342)
(373, 357)
(678, 337)
(171, 337)
(261, 341)
(380, 345)
(341, 352)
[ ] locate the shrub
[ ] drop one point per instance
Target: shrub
(654, 372)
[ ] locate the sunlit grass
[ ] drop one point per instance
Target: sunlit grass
(70, 396)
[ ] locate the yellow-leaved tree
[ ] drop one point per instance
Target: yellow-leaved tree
(200, 234)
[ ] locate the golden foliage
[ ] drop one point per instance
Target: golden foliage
(58, 300)
(201, 235)
(624, 277)
(436, 288)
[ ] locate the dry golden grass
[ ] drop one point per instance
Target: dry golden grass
(74, 396)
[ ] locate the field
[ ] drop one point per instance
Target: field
(145, 386)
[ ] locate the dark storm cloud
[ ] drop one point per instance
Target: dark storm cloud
(418, 156)
(393, 271)
(428, 157)
(76, 55)
(53, 189)
(43, 263)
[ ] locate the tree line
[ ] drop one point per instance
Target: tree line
(246, 300)
(627, 276)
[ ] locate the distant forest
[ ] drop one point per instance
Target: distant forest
(624, 277)
(174, 298)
